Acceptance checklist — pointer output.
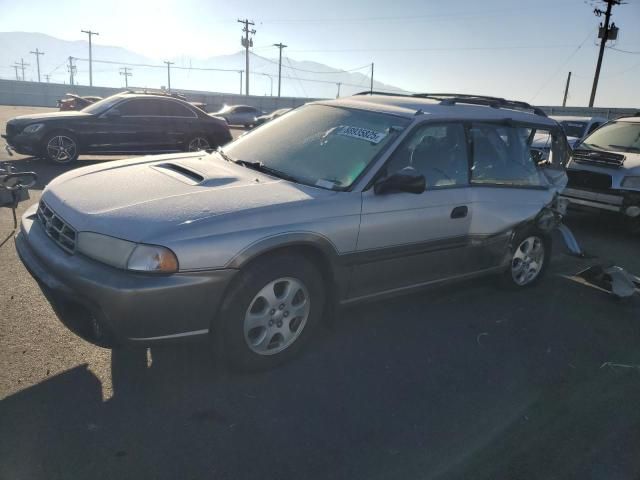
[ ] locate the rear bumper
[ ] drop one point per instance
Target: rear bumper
(107, 306)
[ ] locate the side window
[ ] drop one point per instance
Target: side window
(132, 108)
(439, 152)
(174, 109)
(503, 155)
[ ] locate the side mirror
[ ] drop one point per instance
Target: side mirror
(407, 180)
(113, 113)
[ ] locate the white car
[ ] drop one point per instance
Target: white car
(239, 114)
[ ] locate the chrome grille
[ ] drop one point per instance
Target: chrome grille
(594, 157)
(57, 229)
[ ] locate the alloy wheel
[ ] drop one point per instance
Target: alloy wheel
(276, 316)
(198, 144)
(527, 260)
(61, 149)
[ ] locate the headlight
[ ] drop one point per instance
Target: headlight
(126, 255)
(33, 128)
(631, 182)
(153, 258)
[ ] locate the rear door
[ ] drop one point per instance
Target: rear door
(507, 188)
(129, 131)
(411, 239)
(174, 124)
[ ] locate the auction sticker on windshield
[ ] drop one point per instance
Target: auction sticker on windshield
(361, 133)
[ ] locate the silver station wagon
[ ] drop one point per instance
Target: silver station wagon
(333, 203)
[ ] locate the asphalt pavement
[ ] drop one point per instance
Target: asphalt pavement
(467, 381)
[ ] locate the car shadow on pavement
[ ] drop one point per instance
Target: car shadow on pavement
(450, 384)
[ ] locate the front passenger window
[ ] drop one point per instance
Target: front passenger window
(439, 152)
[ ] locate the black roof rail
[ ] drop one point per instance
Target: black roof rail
(453, 98)
(163, 93)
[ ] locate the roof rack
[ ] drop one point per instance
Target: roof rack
(453, 98)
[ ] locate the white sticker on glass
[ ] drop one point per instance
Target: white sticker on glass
(361, 133)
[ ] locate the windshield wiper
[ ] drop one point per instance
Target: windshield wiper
(261, 167)
(225, 155)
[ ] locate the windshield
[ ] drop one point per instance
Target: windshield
(622, 136)
(103, 105)
(573, 129)
(319, 145)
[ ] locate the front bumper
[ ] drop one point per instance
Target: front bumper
(616, 201)
(24, 144)
(107, 306)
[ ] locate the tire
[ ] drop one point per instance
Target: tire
(197, 143)
(60, 148)
(633, 225)
(529, 258)
(257, 327)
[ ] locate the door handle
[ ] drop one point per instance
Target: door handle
(459, 212)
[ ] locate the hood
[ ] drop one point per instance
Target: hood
(26, 119)
(142, 199)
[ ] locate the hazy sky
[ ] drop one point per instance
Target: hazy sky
(518, 49)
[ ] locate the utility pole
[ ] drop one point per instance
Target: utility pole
(90, 33)
(72, 70)
(566, 90)
(280, 46)
(338, 94)
(605, 33)
(169, 74)
(21, 66)
(371, 87)
(47, 77)
(37, 53)
(15, 66)
(127, 73)
(246, 43)
(240, 72)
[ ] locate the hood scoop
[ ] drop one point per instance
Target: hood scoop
(179, 172)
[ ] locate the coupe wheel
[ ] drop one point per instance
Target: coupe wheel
(61, 148)
(197, 144)
(529, 259)
(270, 313)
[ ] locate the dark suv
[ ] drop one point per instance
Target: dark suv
(123, 123)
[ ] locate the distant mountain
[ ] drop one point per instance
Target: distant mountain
(300, 78)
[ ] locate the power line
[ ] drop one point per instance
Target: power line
(553, 75)
(623, 51)
(437, 49)
(312, 71)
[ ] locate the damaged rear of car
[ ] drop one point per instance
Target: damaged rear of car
(337, 202)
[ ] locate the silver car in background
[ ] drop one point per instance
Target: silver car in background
(239, 114)
(604, 171)
(334, 203)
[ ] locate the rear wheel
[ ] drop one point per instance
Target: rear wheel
(271, 312)
(60, 148)
(197, 143)
(633, 225)
(530, 256)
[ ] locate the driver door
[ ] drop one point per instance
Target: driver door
(410, 239)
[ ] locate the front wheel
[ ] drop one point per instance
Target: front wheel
(530, 256)
(60, 148)
(271, 312)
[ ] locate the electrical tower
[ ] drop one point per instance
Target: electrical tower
(247, 42)
(606, 32)
(280, 47)
(91, 34)
(37, 53)
(126, 72)
(21, 66)
(72, 70)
